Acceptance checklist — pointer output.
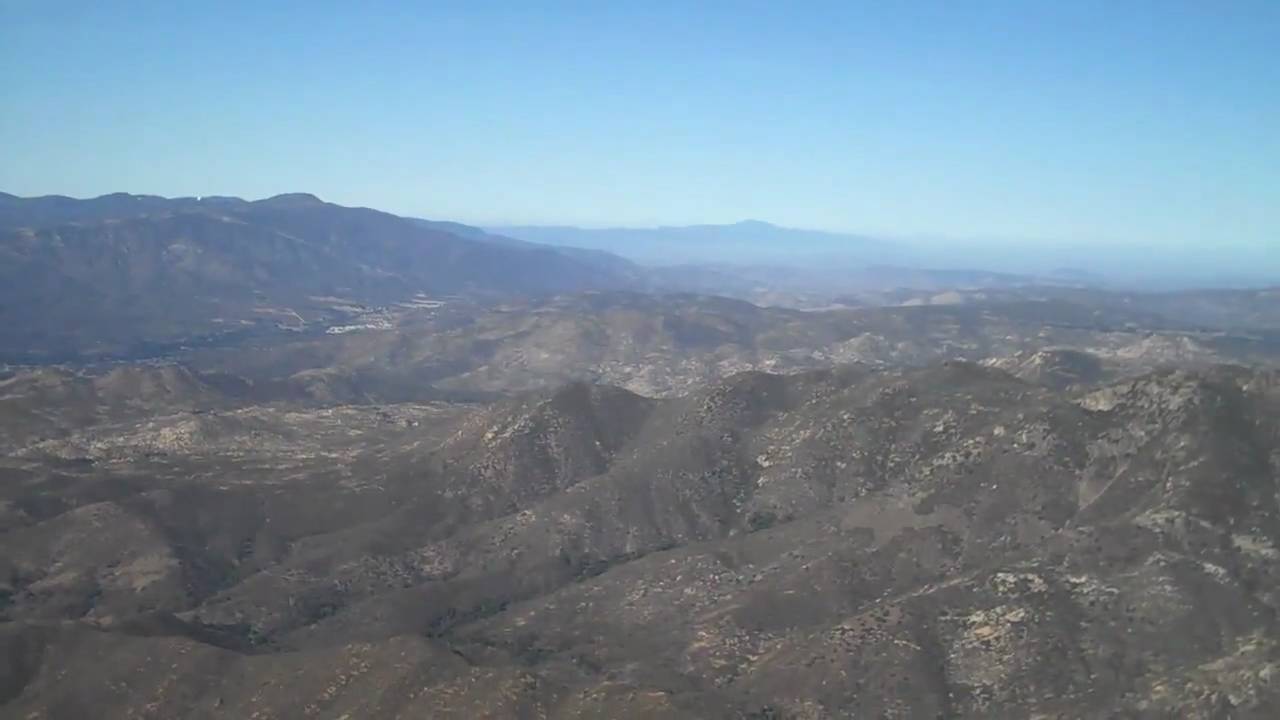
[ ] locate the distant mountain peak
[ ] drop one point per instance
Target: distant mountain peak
(293, 199)
(744, 242)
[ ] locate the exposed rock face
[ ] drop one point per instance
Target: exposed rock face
(1057, 368)
(947, 541)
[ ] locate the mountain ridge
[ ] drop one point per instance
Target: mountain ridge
(744, 242)
(743, 550)
(101, 275)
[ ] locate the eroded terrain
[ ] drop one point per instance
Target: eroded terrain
(952, 540)
(282, 458)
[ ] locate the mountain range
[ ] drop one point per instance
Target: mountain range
(847, 261)
(120, 273)
(948, 541)
(747, 242)
(283, 458)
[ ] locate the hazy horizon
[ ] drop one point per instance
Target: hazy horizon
(662, 359)
(756, 242)
(1090, 124)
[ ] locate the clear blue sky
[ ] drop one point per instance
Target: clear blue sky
(1093, 122)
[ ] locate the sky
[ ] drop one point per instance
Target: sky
(1146, 123)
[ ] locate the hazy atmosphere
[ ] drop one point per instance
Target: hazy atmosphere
(640, 361)
(1091, 126)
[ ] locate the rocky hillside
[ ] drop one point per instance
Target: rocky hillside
(383, 467)
(946, 541)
